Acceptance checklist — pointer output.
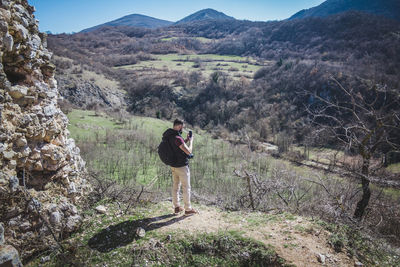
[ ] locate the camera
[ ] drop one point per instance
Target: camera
(190, 134)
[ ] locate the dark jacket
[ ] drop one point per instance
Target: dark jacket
(182, 158)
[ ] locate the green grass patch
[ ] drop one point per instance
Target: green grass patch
(221, 249)
(206, 63)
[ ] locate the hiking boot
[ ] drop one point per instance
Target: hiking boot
(191, 212)
(178, 209)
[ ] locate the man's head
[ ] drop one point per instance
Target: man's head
(178, 125)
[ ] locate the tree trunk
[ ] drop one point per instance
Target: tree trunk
(363, 203)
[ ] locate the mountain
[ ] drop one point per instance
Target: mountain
(386, 8)
(134, 20)
(205, 14)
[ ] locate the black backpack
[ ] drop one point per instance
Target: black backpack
(166, 152)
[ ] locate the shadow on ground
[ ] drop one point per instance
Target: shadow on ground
(124, 233)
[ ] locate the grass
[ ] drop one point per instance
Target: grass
(86, 125)
(127, 152)
(206, 63)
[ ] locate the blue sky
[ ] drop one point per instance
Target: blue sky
(75, 15)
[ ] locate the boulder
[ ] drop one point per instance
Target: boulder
(101, 209)
(55, 218)
(73, 223)
(9, 257)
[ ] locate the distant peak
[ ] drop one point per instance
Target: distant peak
(205, 14)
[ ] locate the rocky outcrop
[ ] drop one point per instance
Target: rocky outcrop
(84, 93)
(41, 171)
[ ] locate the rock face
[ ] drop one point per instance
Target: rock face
(39, 161)
(84, 93)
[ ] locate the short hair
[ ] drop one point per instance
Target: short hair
(178, 122)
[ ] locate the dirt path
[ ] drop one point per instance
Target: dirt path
(298, 240)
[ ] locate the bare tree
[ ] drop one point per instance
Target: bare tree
(365, 120)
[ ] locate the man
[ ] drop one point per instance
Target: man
(180, 168)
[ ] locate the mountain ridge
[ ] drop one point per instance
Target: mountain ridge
(144, 21)
(386, 8)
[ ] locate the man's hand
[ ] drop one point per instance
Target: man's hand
(189, 139)
(185, 148)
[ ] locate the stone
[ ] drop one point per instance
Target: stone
(73, 210)
(55, 218)
(17, 91)
(20, 9)
(6, 14)
(3, 26)
(21, 142)
(36, 41)
(8, 42)
(9, 154)
(34, 205)
(73, 223)
(25, 22)
(52, 207)
(38, 166)
(9, 257)
(14, 183)
(358, 264)
(29, 100)
(44, 259)
(26, 151)
(1, 234)
(25, 226)
(50, 110)
(140, 232)
(3, 147)
(72, 188)
(22, 31)
(101, 209)
(321, 258)
(12, 164)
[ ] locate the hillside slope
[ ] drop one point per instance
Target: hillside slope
(386, 8)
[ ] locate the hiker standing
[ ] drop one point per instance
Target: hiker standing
(179, 162)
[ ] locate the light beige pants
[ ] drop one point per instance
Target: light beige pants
(181, 176)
